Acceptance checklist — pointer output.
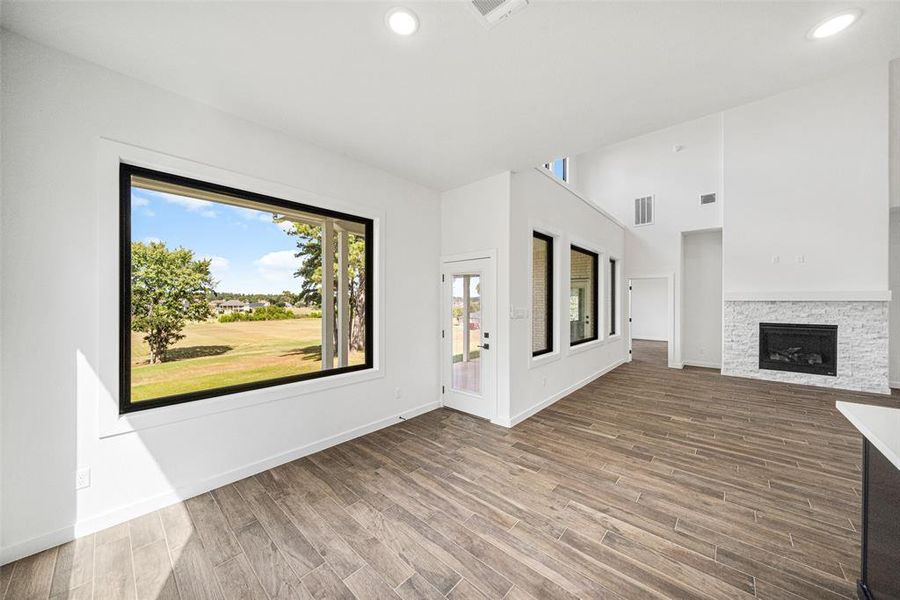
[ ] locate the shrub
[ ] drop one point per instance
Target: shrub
(263, 313)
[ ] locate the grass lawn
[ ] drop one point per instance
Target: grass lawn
(214, 354)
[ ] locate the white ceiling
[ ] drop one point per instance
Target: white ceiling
(458, 101)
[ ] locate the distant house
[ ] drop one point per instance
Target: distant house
(231, 306)
(255, 305)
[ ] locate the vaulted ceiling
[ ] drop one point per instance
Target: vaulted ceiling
(459, 101)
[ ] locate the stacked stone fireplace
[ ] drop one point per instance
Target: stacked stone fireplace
(790, 341)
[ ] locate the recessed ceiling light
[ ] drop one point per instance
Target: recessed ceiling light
(834, 24)
(402, 21)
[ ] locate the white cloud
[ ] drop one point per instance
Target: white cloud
(152, 240)
(285, 226)
(278, 266)
(251, 214)
(194, 205)
(218, 265)
(139, 201)
(148, 213)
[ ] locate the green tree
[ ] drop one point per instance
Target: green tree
(309, 250)
(168, 288)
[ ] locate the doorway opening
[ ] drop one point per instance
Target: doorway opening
(650, 319)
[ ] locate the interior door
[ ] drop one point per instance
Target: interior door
(469, 340)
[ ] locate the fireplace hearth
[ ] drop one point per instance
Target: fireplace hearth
(798, 348)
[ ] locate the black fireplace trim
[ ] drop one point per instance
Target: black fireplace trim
(792, 367)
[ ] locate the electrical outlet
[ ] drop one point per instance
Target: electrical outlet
(776, 259)
(398, 393)
(83, 478)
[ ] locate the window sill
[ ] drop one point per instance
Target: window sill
(586, 346)
(112, 423)
(543, 359)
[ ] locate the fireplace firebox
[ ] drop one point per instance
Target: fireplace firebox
(799, 348)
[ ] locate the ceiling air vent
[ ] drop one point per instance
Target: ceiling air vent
(495, 11)
(643, 210)
(707, 199)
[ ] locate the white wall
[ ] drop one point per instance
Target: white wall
(649, 309)
(614, 176)
(539, 201)
(894, 318)
(55, 110)
(500, 213)
(701, 330)
(894, 149)
(475, 217)
(894, 234)
(806, 173)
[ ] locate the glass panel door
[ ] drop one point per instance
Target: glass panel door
(468, 380)
(466, 331)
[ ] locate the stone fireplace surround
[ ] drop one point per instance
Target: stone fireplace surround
(862, 340)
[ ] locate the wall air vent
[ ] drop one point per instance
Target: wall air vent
(643, 210)
(495, 11)
(707, 199)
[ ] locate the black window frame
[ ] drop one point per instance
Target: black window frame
(595, 296)
(550, 293)
(126, 171)
(613, 290)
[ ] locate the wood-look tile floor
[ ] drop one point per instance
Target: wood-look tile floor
(649, 483)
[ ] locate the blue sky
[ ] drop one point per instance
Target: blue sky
(249, 252)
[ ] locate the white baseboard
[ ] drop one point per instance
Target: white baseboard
(702, 364)
(515, 420)
(649, 339)
(137, 509)
(894, 384)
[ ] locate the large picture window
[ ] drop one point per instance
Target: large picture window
(224, 291)
(583, 296)
(541, 294)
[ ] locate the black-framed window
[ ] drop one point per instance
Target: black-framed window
(613, 292)
(541, 294)
(225, 291)
(583, 295)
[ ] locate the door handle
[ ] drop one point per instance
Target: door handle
(485, 346)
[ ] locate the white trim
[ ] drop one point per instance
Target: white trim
(670, 314)
(110, 154)
(601, 292)
(491, 366)
(513, 421)
(557, 236)
(701, 364)
(535, 362)
(650, 339)
(585, 346)
(894, 384)
(810, 296)
(137, 509)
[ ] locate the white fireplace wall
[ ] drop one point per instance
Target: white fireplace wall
(862, 362)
